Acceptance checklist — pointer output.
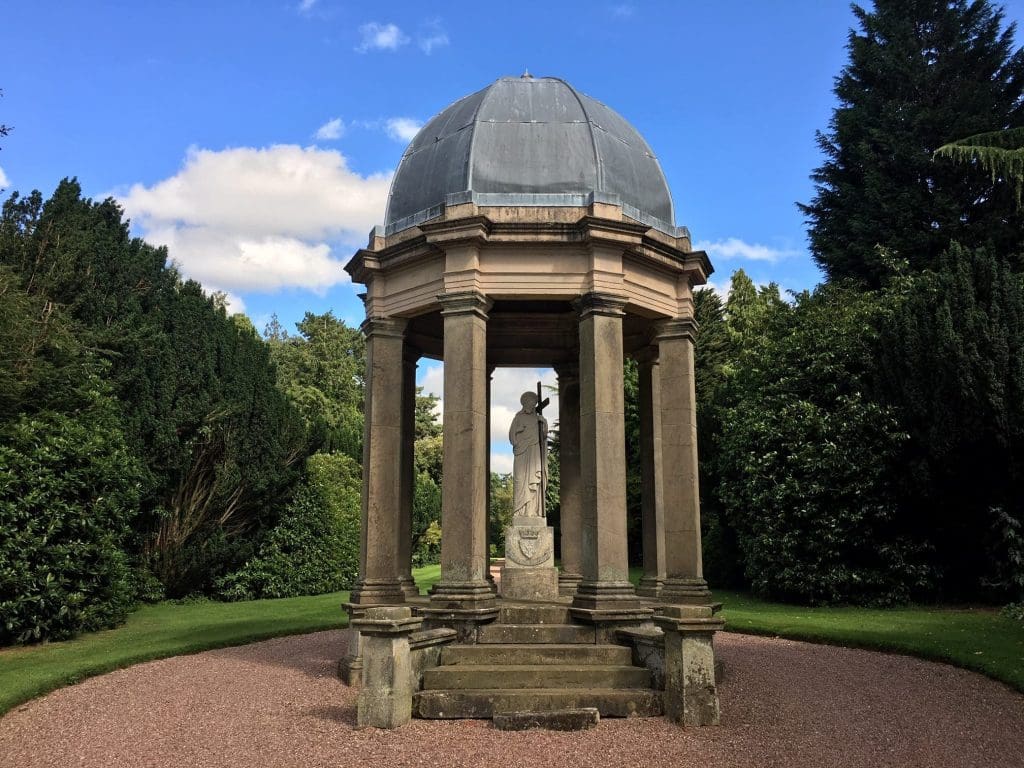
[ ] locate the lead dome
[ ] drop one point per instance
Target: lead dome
(528, 141)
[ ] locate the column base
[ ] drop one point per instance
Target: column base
(378, 592)
(409, 587)
(601, 601)
(610, 607)
(463, 607)
(461, 595)
(685, 592)
(650, 586)
(568, 583)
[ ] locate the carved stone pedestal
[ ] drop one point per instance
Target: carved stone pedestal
(385, 700)
(529, 572)
(691, 695)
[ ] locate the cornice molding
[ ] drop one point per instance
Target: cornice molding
(679, 328)
(464, 303)
(600, 304)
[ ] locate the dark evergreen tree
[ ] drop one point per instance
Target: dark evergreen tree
(220, 445)
(921, 73)
(951, 362)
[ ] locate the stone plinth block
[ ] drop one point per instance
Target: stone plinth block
(691, 697)
(558, 720)
(385, 700)
(529, 571)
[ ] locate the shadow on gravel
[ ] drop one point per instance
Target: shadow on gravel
(317, 657)
(334, 714)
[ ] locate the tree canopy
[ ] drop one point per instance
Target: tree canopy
(921, 74)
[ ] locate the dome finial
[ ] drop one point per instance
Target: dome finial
(526, 75)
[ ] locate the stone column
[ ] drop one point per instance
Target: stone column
(605, 593)
(463, 592)
(569, 477)
(385, 700)
(408, 470)
(651, 500)
(691, 695)
(684, 581)
(487, 506)
(379, 567)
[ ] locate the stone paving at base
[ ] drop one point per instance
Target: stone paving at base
(278, 703)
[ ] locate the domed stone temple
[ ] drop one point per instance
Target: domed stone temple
(529, 224)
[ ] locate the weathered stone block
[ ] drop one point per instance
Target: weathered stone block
(557, 720)
(385, 700)
(691, 696)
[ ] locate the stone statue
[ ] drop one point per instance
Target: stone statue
(529, 436)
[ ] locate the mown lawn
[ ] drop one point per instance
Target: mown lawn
(977, 639)
(158, 631)
(974, 638)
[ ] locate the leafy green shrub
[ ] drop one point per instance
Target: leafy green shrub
(808, 463)
(68, 492)
(816, 523)
(315, 546)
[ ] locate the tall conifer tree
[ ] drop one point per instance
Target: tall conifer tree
(921, 73)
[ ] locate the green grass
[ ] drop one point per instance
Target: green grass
(158, 631)
(977, 639)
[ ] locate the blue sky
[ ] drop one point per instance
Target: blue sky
(257, 139)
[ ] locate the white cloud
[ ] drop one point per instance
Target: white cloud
(380, 37)
(501, 463)
(402, 129)
(623, 10)
(305, 6)
(4, 181)
(734, 248)
(432, 35)
(331, 130)
(507, 387)
(232, 302)
(248, 219)
(722, 289)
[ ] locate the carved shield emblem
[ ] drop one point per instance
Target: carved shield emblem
(528, 547)
(531, 547)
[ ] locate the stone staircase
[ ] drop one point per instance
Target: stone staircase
(534, 659)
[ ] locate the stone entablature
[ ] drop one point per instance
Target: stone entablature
(529, 253)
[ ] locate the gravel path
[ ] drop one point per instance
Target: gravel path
(278, 703)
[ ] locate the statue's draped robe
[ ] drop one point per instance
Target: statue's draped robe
(528, 435)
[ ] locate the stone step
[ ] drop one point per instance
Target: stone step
(511, 676)
(534, 614)
(642, 702)
(536, 633)
(549, 653)
(555, 720)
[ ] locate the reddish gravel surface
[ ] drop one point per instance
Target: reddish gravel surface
(278, 703)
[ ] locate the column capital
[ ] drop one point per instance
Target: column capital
(393, 327)
(604, 304)
(567, 372)
(464, 303)
(647, 356)
(677, 328)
